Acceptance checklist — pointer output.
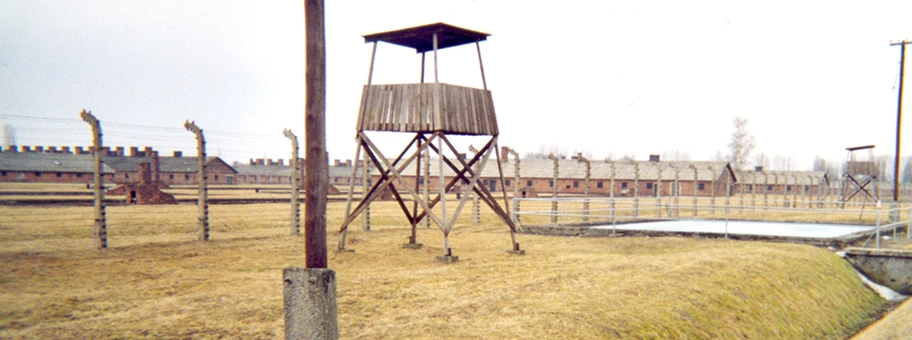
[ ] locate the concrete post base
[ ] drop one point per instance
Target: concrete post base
(310, 303)
(448, 259)
(346, 250)
(412, 245)
(516, 252)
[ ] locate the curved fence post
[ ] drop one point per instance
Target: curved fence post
(554, 188)
(203, 200)
(100, 231)
(295, 223)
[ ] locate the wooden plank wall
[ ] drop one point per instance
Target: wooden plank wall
(427, 108)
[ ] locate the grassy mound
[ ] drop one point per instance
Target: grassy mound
(165, 285)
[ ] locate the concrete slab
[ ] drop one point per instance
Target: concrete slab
(776, 229)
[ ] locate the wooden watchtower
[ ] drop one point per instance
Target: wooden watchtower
(431, 113)
(860, 171)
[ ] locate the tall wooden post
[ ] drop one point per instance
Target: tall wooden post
(203, 201)
(310, 293)
(902, 65)
(295, 222)
(100, 231)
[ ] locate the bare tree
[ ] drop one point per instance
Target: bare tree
(907, 171)
(784, 163)
(762, 160)
(741, 145)
(675, 155)
(544, 151)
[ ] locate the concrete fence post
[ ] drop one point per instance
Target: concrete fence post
(658, 190)
(753, 191)
(295, 222)
(586, 192)
(203, 200)
(476, 204)
(100, 230)
(676, 187)
(636, 188)
(365, 187)
(516, 180)
(712, 190)
(611, 184)
(554, 188)
(696, 185)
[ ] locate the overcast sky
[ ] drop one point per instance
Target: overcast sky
(609, 78)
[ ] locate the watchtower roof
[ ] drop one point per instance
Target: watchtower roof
(860, 148)
(421, 38)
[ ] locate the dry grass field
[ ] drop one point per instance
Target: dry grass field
(156, 281)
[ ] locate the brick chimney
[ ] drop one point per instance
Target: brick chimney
(134, 151)
(145, 173)
(147, 152)
(119, 151)
(178, 154)
(261, 161)
(79, 150)
(156, 167)
(348, 163)
(39, 148)
(504, 154)
(336, 162)
(65, 149)
(654, 158)
(52, 149)
(281, 162)
(13, 149)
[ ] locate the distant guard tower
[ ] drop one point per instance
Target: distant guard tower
(860, 171)
(431, 112)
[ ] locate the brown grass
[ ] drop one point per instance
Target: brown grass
(157, 282)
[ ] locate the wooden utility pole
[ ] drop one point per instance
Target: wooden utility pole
(902, 64)
(310, 293)
(315, 162)
(203, 200)
(295, 179)
(100, 232)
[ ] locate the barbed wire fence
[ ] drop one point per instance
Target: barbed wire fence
(780, 190)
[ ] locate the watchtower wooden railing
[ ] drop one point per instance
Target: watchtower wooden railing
(427, 108)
